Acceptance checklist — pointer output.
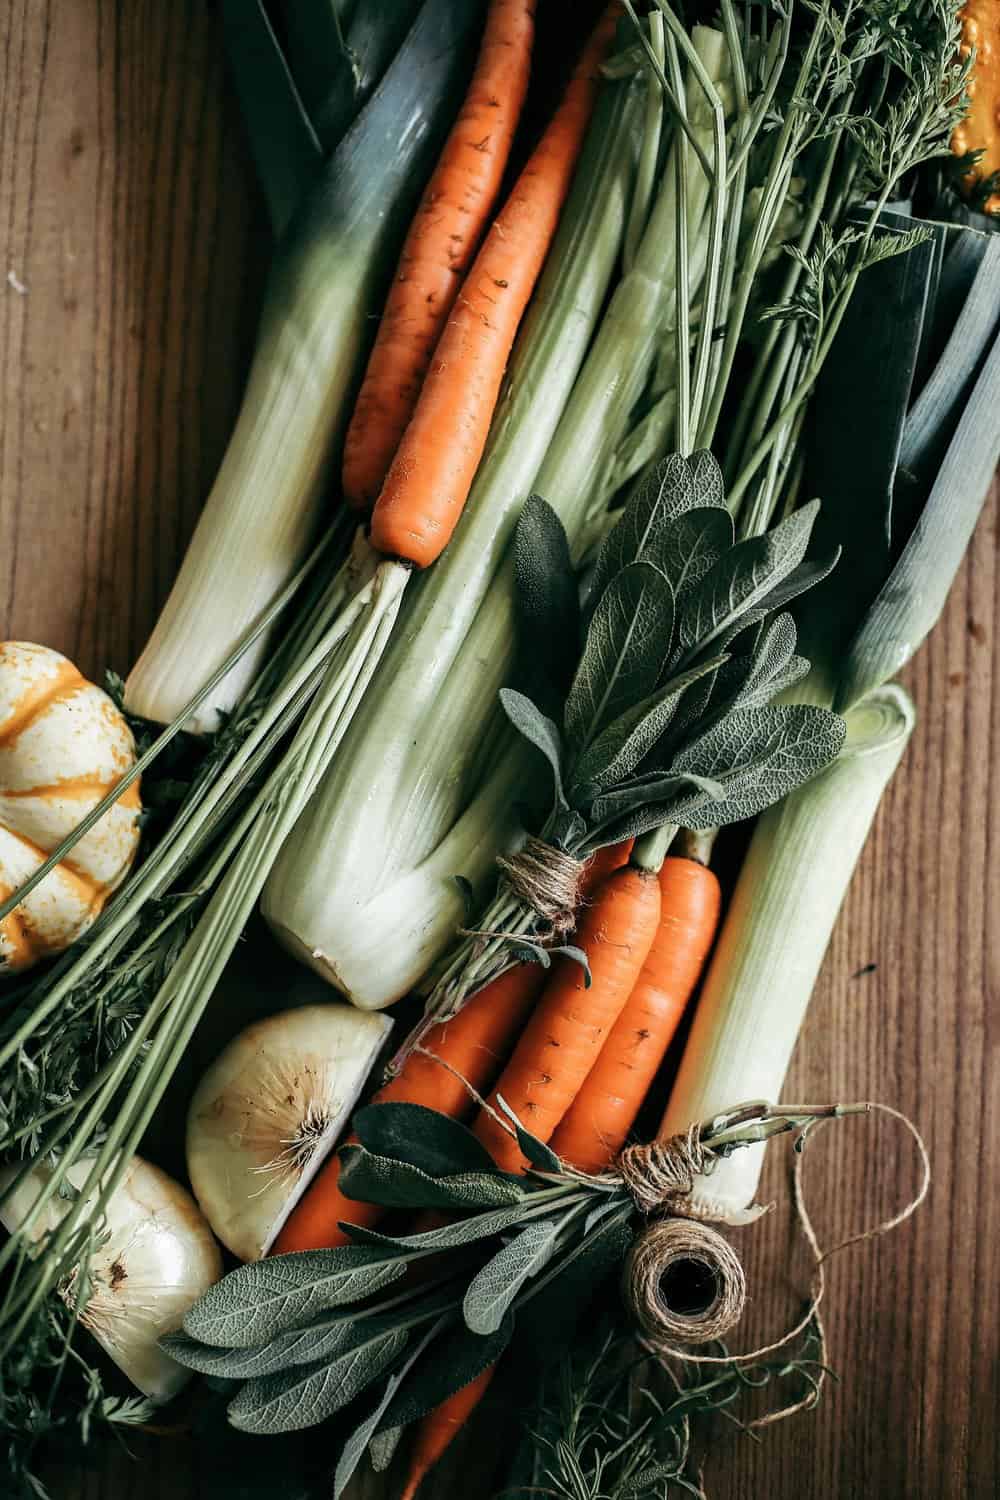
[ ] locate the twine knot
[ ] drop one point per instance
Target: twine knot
(547, 880)
(682, 1281)
(661, 1175)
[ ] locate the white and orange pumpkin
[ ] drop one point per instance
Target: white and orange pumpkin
(63, 746)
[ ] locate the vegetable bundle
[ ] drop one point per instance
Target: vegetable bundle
(482, 750)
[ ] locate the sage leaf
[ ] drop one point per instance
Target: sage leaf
(759, 755)
(308, 1394)
(538, 730)
(582, 1268)
(647, 792)
(618, 749)
(491, 1292)
(537, 1152)
(660, 495)
(382, 1448)
(479, 1226)
(395, 1184)
(423, 1137)
(452, 1362)
(297, 1346)
(707, 484)
(258, 1301)
(548, 607)
(745, 681)
(626, 646)
(356, 1443)
(689, 545)
(743, 577)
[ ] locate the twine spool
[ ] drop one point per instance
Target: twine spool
(547, 880)
(683, 1283)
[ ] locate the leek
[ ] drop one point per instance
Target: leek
(786, 901)
(327, 280)
(924, 334)
(420, 745)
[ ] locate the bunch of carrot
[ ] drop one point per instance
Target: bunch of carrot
(424, 411)
(579, 1060)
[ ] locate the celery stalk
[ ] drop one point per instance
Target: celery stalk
(793, 880)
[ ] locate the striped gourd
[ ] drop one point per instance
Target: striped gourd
(63, 746)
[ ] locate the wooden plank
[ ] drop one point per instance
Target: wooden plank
(132, 241)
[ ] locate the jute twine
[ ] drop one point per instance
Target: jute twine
(660, 1178)
(547, 880)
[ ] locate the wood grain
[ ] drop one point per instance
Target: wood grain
(131, 247)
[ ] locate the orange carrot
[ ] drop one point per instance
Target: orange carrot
(558, 1048)
(442, 239)
(597, 1123)
(473, 1043)
(571, 1023)
(430, 476)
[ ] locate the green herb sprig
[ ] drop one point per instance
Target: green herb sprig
(666, 717)
(317, 1333)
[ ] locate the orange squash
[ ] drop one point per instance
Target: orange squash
(63, 746)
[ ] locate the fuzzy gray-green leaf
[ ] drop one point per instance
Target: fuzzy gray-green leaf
(478, 1226)
(308, 1394)
(258, 1301)
(423, 1137)
(623, 656)
(538, 730)
(742, 578)
(491, 1292)
(759, 755)
(548, 605)
(397, 1184)
(297, 1346)
(382, 1448)
(689, 544)
(667, 488)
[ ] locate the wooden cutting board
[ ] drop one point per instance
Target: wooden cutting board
(132, 244)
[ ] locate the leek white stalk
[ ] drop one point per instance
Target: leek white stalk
(268, 498)
(267, 1113)
(790, 889)
(419, 748)
(153, 1260)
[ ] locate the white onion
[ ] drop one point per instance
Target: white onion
(155, 1259)
(268, 1111)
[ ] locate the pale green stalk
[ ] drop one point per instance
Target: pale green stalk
(790, 889)
(421, 745)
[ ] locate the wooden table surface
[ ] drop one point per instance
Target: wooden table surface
(131, 247)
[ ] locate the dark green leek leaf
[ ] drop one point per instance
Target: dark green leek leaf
(538, 730)
(492, 1290)
(548, 607)
(626, 646)
(915, 592)
(258, 1301)
(395, 1184)
(308, 1394)
(424, 1138)
(287, 152)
